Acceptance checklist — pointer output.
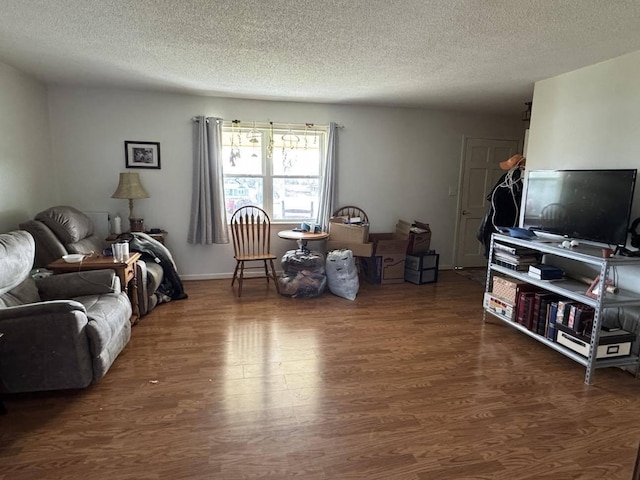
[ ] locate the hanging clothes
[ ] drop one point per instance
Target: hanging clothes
(504, 206)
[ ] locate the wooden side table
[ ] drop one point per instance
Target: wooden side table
(302, 237)
(126, 271)
(158, 236)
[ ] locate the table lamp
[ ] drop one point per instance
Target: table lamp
(130, 188)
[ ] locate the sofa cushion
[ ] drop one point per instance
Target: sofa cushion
(105, 315)
(78, 284)
(45, 349)
(90, 244)
(68, 223)
(154, 275)
(26, 292)
(17, 251)
(48, 247)
(108, 328)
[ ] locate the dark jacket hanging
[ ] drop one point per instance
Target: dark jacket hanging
(504, 206)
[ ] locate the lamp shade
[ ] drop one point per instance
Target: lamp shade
(130, 187)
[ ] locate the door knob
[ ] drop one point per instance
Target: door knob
(465, 212)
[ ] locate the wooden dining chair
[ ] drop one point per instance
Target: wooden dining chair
(251, 232)
(352, 212)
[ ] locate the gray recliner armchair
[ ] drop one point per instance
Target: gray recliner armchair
(62, 331)
(63, 229)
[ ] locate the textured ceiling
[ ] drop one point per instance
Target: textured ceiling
(468, 55)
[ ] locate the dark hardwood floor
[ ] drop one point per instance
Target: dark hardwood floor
(404, 383)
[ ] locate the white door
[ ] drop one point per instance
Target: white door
(480, 172)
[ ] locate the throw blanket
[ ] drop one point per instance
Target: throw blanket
(151, 249)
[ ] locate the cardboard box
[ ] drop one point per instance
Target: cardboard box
(418, 236)
(384, 269)
(508, 289)
(340, 232)
(499, 306)
(611, 344)
(403, 229)
(387, 243)
(392, 251)
(358, 249)
(418, 243)
(392, 268)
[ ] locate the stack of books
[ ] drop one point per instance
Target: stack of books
(545, 272)
(581, 319)
(514, 258)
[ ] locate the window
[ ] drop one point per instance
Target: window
(274, 167)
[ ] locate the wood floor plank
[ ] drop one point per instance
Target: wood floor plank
(404, 383)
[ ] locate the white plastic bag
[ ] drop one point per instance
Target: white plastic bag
(342, 274)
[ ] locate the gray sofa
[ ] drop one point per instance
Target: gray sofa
(64, 229)
(59, 332)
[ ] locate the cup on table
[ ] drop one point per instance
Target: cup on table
(116, 249)
(120, 252)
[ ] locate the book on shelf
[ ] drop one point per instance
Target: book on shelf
(525, 308)
(515, 259)
(542, 299)
(541, 268)
(511, 266)
(549, 278)
(545, 272)
(520, 306)
(515, 250)
(581, 318)
(528, 311)
(535, 311)
(533, 321)
(550, 332)
(562, 315)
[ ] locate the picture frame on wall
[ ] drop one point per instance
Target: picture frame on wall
(142, 154)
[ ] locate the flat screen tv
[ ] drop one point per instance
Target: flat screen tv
(592, 205)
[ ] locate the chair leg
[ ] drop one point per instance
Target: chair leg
(235, 273)
(273, 273)
(241, 278)
(266, 271)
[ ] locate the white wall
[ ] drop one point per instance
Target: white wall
(588, 118)
(27, 182)
(394, 163)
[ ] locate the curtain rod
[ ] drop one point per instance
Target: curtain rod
(268, 124)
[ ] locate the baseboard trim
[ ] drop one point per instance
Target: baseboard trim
(229, 275)
(223, 276)
(209, 276)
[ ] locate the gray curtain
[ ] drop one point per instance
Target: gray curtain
(328, 188)
(208, 222)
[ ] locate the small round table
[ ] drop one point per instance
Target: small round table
(302, 237)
